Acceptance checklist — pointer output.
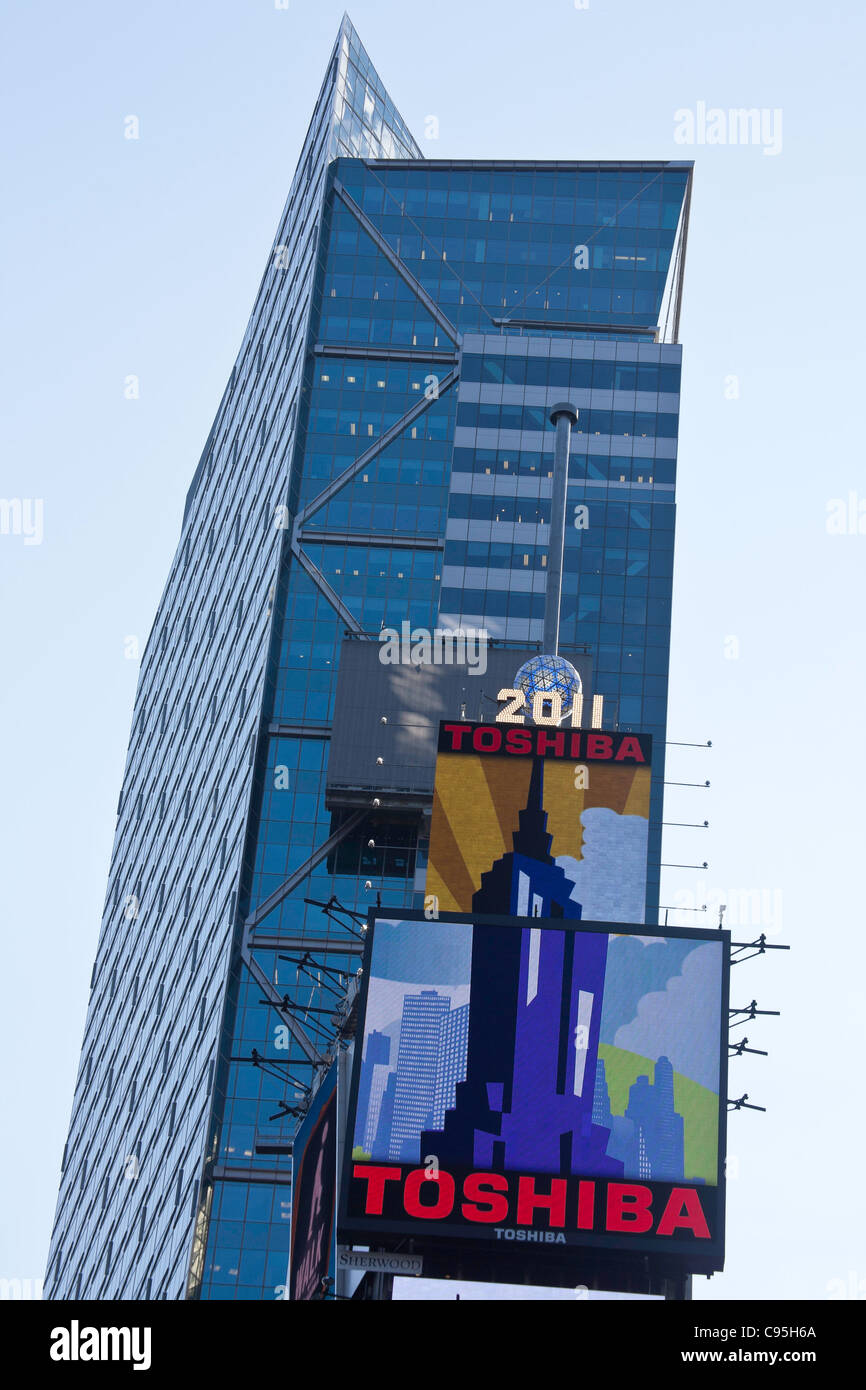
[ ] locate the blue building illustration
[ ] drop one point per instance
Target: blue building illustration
(417, 1067)
(451, 1064)
(649, 1139)
(658, 1150)
(376, 1055)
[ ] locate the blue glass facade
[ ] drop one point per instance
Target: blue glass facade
(382, 455)
(126, 1219)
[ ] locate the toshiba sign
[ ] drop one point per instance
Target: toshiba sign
(539, 1086)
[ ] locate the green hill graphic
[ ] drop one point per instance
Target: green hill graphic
(698, 1106)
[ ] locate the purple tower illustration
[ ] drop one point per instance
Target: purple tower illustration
(534, 1021)
(549, 1127)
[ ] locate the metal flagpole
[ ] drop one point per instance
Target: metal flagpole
(563, 416)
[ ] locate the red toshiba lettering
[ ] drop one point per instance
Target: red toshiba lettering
(487, 740)
(599, 746)
(458, 732)
(518, 741)
(554, 741)
(575, 746)
(483, 1202)
(684, 1209)
(628, 1207)
(375, 1178)
(442, 1189)
(585, 1206)
(528, 1199)
(630, 748)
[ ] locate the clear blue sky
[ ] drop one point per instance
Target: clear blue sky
(142, 257)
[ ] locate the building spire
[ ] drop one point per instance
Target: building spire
(531, 837)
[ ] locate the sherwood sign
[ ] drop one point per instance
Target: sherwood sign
(379, 1261)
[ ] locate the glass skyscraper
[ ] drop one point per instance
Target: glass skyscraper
(381, 454)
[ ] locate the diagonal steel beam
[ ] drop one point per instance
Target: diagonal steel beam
(369, 454)
(389, 435)
(319, 853)
(400, 266)
(324, 587)
(274, 997)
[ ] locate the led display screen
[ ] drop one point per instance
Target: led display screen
(545, 1081)
(312, 1260)
(540, 821)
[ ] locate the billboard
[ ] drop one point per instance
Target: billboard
(313, 1251)
(539, 1083)
(389, 705)
(540, 821)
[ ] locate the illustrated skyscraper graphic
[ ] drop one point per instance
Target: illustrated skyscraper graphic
(649, 1139)
(451, 1062)
(417, 1065)
(371, 1084)
(381, 454)
(658, 1129)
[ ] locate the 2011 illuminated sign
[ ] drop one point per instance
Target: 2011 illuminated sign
(547, 708)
